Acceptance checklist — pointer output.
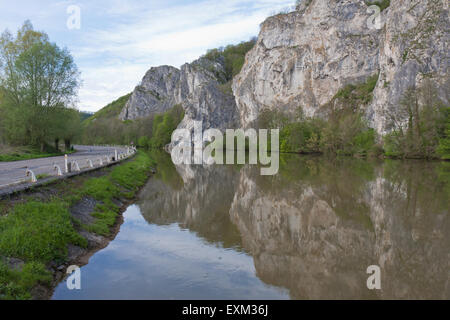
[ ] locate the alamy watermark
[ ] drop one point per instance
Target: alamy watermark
(211, 147)
(374, 281)
(74, 19)
(374, 21)
(73, 281)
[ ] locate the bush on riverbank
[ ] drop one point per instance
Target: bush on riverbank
(39, 232)
(421, 126)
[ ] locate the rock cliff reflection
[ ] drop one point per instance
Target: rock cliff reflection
(315, 227)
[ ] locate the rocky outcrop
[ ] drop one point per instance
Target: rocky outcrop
(302, 59)
(196, 86)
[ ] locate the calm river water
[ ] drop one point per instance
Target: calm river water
(310, 232)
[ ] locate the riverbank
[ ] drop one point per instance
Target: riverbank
(44, 231)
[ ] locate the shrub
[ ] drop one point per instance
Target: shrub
(233, 57)
(164, 125)
(144, 142)
(419, 125)
(16, 284)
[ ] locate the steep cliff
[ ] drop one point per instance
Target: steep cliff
(196, 86)
(305, 57)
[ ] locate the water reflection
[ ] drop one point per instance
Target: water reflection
(316, 227)
(310, 232)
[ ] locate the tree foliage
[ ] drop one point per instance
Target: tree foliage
(233, 57)
(164, 125)
(419, 124)
(39, 83)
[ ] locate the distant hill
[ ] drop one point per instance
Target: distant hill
(112, 110)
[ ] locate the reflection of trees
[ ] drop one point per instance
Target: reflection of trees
(166, 169)
(200, 201)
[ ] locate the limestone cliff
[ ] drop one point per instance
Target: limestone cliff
(305, 57)
(195, 86)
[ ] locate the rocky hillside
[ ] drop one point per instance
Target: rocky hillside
(196, 86)
(304, 58)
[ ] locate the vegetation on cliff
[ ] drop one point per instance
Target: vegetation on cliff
(232, 57)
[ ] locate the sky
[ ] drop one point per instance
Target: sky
(119, 40)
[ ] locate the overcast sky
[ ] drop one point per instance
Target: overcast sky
(119, 40)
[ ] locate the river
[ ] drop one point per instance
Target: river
(310, 232)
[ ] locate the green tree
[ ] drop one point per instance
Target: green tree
(444, 143)
(164, 125)
(37, 78)
(419, 123)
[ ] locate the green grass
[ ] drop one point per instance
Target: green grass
(42, 176)
(10, 153)
(40, 232)
(383, 4)
(112, 110)
(37, 231)
(27, 156)
(17, 284)
(123, 182)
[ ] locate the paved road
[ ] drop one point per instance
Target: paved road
(12, 172)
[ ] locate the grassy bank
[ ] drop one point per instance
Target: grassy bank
(36, 231)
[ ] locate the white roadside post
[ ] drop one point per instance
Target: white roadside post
(66, 164)
(33, 176)
(101, 162)
(90, 164)
(57, 169)
(75, 166)
(115, 155)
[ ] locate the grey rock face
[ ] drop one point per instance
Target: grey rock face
(303, 58)
(195, 86)
(154, 95)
